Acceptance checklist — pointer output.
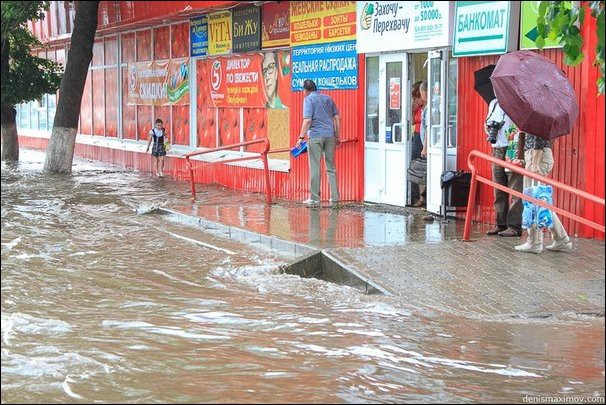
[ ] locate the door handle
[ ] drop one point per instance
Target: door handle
(393, 132)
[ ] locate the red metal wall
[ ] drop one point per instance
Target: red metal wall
(349, 157)
(579, 156)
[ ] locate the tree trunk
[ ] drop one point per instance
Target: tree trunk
(10, 141)
(60, 152)
(8, 124)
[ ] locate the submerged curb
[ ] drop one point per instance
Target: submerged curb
(308, 261)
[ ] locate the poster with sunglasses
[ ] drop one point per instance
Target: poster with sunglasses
(256, 80)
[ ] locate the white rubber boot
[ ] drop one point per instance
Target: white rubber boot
(559, 245)
(534, 243)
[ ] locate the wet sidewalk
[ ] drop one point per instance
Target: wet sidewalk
(425, 263)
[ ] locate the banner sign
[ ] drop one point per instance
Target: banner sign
(483, 27)
(246, 29)
(317, 22)
(330, 66)
(198, 32)
(276, 24)
(164, 82)
(528, 27)
(253, 80)
(219, 33)
(394, 25)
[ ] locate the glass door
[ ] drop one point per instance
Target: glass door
(386, 129)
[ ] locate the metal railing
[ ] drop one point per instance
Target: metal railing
(263, 155)
(475, 178)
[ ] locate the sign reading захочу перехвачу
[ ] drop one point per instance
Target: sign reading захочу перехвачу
(384, 26)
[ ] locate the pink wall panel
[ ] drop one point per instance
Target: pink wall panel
(129, 123)
(98, 101)
(180, 125)
(180, 40)
(129, 49)
(161, 43)
(255, 127)
(111, 102)
(207, 127)
(111, 50)
(229, 126)
(98, 53)
(144, 51)
(86, 107)
(144, 121)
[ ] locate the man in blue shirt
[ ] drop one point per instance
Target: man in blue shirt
(321, 124)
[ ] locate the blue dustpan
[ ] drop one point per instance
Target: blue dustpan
(295, 152)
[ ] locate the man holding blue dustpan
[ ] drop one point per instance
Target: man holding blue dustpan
(321, 123)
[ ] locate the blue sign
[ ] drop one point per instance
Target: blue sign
(331, 66)
(198, 32)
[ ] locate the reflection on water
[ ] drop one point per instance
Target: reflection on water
(101, 302)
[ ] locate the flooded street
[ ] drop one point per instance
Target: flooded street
(103, 302)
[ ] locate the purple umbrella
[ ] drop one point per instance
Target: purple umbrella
(535, 94)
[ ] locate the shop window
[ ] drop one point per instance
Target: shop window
(372, 99)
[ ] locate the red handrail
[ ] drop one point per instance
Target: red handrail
(288, 149)
(235, 145)
(556, 184)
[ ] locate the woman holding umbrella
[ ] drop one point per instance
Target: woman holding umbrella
(538, 97)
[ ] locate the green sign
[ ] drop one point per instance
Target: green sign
(481, 28)
(528, 27)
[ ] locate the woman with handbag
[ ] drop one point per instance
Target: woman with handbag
(418, 164)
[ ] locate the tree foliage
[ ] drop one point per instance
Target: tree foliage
(561, 20)
(25, 77)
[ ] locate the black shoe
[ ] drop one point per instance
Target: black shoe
(496, 230)
(510, 233)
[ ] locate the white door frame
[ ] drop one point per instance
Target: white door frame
(436, 123)
(386, 162)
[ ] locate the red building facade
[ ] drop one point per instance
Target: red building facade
(112, 130)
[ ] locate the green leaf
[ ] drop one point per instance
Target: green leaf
(543, 8)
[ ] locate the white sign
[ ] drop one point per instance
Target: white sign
(395, 25)
(482, 28)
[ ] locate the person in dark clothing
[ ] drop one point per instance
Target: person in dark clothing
(158, 136)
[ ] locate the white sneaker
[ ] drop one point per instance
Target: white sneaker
(560, 245)
(310, 201)
(530, 248)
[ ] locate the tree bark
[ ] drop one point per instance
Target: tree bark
(10, 141)
(60, 152)
(8, 124)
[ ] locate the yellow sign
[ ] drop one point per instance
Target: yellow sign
(317, 22)
(219, 33)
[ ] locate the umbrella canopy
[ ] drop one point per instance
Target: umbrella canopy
(482, 83)
(535, 94)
